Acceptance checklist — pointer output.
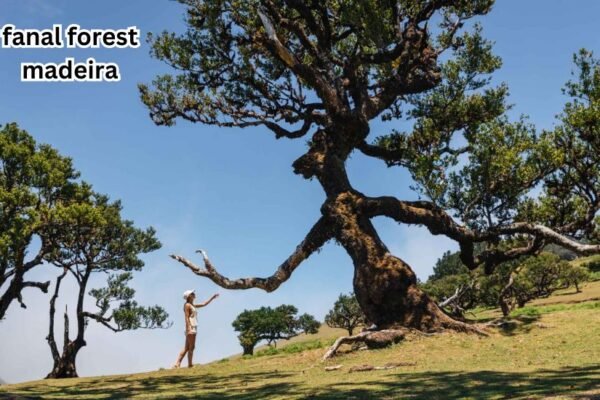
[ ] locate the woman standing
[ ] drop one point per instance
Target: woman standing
(189, 310)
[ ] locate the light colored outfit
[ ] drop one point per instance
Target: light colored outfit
(193, 321)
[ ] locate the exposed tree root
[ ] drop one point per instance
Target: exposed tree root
(463, 327)
(373, 340)
(377, 339)
(367, 367)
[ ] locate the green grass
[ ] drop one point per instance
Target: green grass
(553, 352)
(592, 261)
(297, 347)
(538, 310)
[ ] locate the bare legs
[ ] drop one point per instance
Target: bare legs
(190, 345)
(190, 342)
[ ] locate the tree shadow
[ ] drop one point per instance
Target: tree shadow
(379, 385)
(571, 381)
(510, 326)
(518, 325)
(225, 386)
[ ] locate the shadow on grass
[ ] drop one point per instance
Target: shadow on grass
(511, 326)
(226, 386)
(266, 385)
(571, 381)
(518, 325)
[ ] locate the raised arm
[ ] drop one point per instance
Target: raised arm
(207, 302)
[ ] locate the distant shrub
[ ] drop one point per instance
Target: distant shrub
(593, 265)
(527, 311)
(269, 351)
(295, 347)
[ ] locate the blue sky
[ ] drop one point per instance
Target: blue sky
(231, 192)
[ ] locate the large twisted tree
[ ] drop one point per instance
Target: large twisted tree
(324, 70)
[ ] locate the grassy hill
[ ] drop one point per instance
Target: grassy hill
(549, 350)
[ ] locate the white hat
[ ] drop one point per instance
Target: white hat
(187, 293)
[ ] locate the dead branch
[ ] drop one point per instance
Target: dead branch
(320, 233)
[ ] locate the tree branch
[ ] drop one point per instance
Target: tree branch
(320, 233)
(43, 286)
(438, 222)
(52, 311)
(104, 321)
(307, 72)
(390, 157)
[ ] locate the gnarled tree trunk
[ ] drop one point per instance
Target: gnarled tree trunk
(385, 286)
(64, 363)
(64, 366)
(248, 350)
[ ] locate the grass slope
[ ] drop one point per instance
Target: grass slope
(553, 352)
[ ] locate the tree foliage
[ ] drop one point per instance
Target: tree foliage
(447, 265)
(345, 314)
(126, 314)
(272, 324)
(35, 182)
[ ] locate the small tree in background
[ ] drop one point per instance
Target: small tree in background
(34, 180)
(575, 276)
(272, 324)
(345, 314)
(95, 239)
(539, 277)
(307, 324)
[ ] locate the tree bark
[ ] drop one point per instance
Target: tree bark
(18, 283)
(16, 286)
(248, 350)
(11, 293)
(64, 364)
(385, 286)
